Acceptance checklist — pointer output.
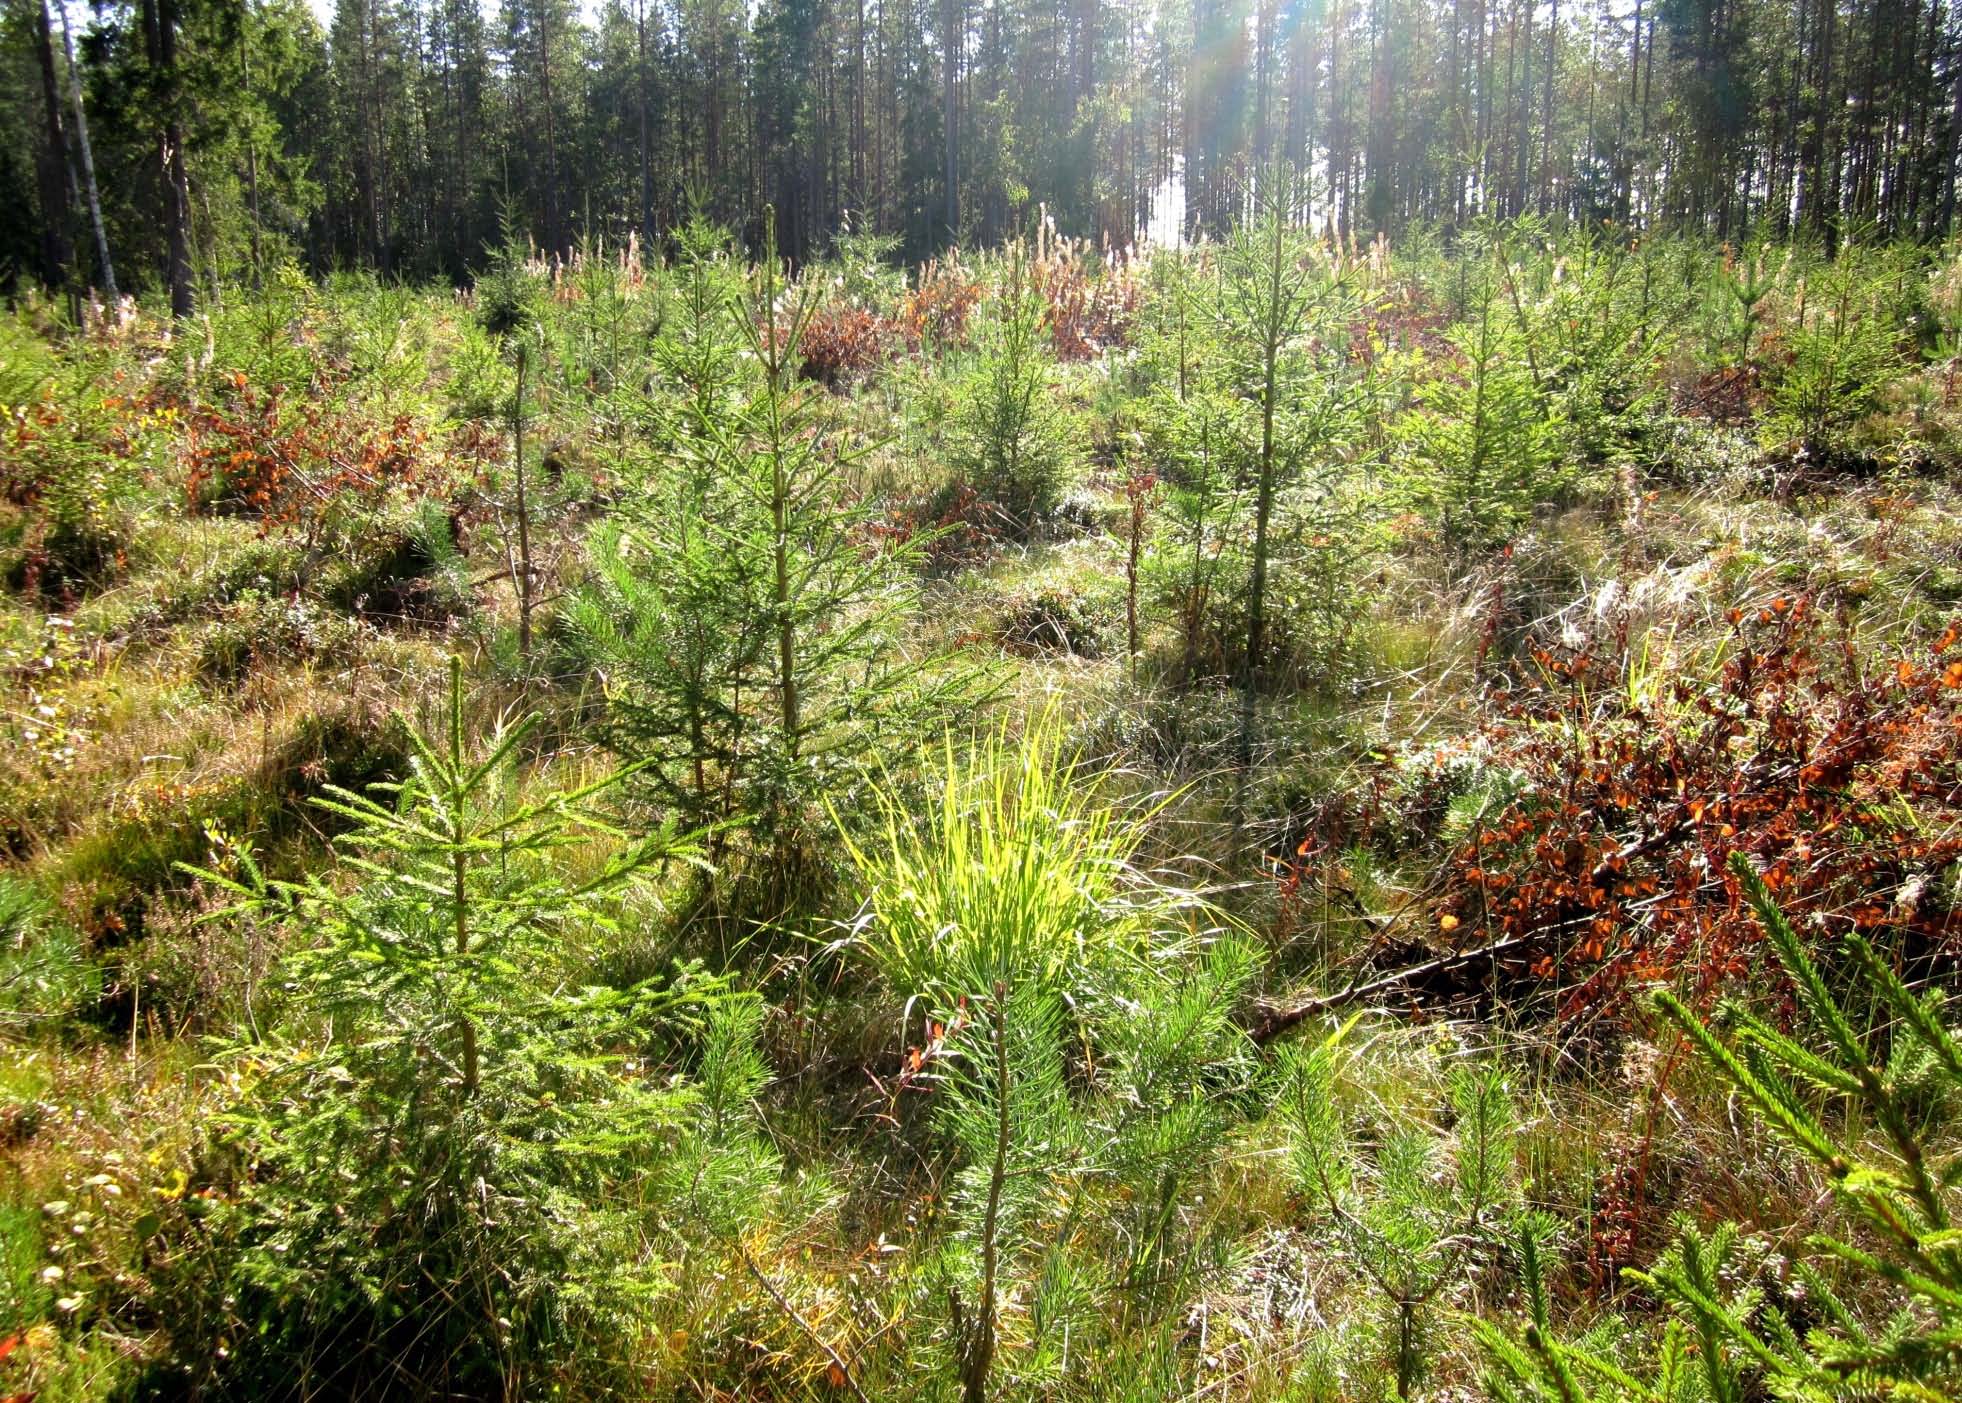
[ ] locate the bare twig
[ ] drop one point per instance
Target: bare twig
(770, 1289)
(1276, 1021)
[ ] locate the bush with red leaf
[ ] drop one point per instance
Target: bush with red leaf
(1588, 823)
(76, 459)
(1605, 869)
(954, 525)
(287, 464)
(942, 301)
(844, 343)
(1090, 302)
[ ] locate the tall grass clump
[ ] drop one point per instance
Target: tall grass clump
(1083, 1062)
(1012, 871)
(45, 971)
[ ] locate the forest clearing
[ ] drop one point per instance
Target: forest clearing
(1352, 791)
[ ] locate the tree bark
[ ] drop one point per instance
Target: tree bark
(1954, 164)
(646, 167)
(554, 206)
(1546, 116)
(952, 25)
(525, 573)
(160, 41)
(57, 182)
(88, 161)
(1272, 336)
(251, 143)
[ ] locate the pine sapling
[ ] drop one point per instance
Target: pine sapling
(431, 1054)
(1410, 1225)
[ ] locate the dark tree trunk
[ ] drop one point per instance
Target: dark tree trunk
(56, 175)
(1546, 113)
(952, 26)
(1953, 169)
(251, 145)
(554, 205)
(640, 89)
(89, 189)
(1524, 134)
(160, 42)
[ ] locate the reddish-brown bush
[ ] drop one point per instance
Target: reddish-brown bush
(1090, 302)
(943, 298)
(1840, 776)
(843, 343)
(1600, 865)
(287, 464)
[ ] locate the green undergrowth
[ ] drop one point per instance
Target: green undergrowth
(1269, 821)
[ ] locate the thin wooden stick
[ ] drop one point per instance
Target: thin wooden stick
(1275, 1021)
(769, 1288)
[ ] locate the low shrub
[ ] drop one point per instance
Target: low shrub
(256, 629)
(1055, 621)
(1594, 867)
(842, 344)
(493, 1135)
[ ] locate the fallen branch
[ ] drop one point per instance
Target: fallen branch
(844, 1375)
(1276, 1021)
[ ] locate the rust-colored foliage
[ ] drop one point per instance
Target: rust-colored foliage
(1406, 320)
(1090, 302)
(42, 438)
(843, 343)
(956, 525)
(1603, 866)
(286, 464)
(1730, 394)
(1841, 778)
(938, 308)
(23, 428)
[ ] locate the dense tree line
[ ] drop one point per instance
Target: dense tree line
(213, 136)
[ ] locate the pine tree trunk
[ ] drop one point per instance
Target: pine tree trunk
(554, 211)
(1546, 115)
(952, 25)
(460, 896)
(646, 168)
(1953, 169)
(370, 177)
(858, 108)
(1263, 79)
(160, 40)
(1272, 334)
(57, 186)
(251, 147)
(524, 512)
(1524, 137)
(1625, 172)
(94, 195)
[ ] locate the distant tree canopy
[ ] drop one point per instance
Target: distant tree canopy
(222, 135)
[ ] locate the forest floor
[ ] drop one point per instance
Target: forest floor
(1305, 1066)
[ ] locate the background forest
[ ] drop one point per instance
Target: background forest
(226, 133)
